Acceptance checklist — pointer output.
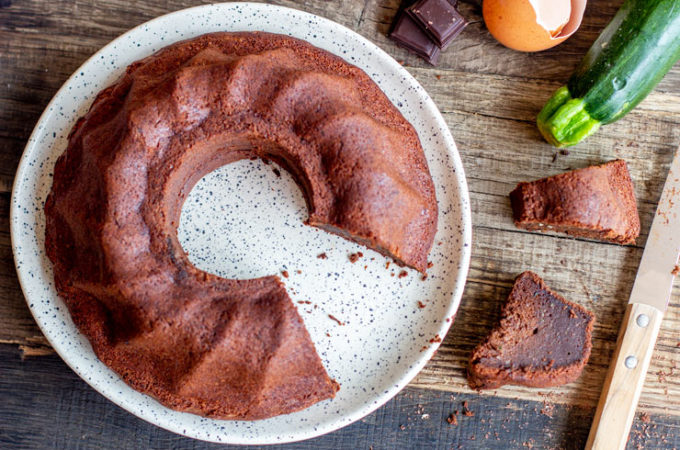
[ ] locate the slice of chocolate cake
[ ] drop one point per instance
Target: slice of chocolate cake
(597, 202)
(542, 340)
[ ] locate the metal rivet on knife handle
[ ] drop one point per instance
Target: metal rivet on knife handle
(642, 320)
(631, 362)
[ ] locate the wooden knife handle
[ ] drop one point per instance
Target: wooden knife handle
(622, 387)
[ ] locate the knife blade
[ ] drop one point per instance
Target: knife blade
(641, 322)
(654, 280)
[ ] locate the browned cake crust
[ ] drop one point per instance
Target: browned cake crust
(542, 340)
(231, 349)
(596, 202)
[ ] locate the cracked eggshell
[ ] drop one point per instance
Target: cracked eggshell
(532, 25)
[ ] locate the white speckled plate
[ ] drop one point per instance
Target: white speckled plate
(244, 221)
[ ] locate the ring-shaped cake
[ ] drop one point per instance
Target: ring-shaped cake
(230, 349)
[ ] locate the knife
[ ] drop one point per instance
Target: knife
(641, 323)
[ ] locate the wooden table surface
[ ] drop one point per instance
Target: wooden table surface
(489, 97)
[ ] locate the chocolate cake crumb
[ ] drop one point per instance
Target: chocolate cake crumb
(423, 277)
(421, 305)
(387, 265)
(332, 317)
(435, 339)
(439, 77)
(548, 409)
(304, 302)
(298, 271)
(284, 273)
(277, 172)
(402, 274)
(564, 152)
(322, 255)
(675, 271)
(452, 419)
(466, 410)
(430, 264)
(354, 257)
(644, 418)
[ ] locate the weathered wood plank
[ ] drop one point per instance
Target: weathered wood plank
(490, 97)
(475, 50)
(583, 279)
(58, 410)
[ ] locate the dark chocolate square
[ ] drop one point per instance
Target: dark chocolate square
(408, 34)
(439, 19)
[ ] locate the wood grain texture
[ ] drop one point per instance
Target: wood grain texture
(489, 96)
(58, 410)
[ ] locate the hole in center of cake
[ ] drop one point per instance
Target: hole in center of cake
(246, 220)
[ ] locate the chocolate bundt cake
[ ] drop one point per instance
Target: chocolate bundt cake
(229, 349)
(596, 202)
(542, 340)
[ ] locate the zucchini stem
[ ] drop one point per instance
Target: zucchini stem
(564, 121)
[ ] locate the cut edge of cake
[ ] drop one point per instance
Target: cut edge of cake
(491, 365)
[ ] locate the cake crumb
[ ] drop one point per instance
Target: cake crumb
(452, 419)
(402, 274)
(548, 409)
(564, 152)
(675, 271)
(322, 255)
(436, 339)
(424, 277)
(439, 77)
(284, 273)
(328, 334)
(354, 257)
(402, 427)
(277, 172)
(421, 305)
(644, 418)
(298, 271)
(332, 317)
(430, 264)
(466, 411)
(304, 302)
(387, 265)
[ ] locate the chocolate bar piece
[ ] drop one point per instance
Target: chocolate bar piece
(408, 34)
(439, 19)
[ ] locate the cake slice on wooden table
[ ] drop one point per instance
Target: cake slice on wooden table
(596, 202)
(542, 340)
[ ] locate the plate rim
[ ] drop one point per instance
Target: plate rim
(463, 204)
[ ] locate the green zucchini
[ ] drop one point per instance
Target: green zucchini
(629, 58)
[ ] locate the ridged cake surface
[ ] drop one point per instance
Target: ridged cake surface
(231, 349)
